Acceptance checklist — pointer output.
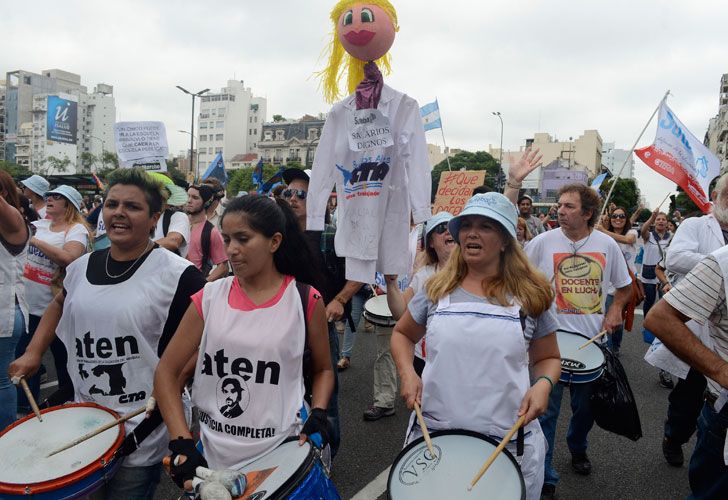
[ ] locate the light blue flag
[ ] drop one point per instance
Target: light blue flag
(431, 116)
(598, 180)
(217, 170)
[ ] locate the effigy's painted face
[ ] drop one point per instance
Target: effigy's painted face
(366, 32)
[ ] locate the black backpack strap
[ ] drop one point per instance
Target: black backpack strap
(303, 291)
(206, 241)
(166, 219)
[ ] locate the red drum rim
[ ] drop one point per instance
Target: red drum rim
(68, 479)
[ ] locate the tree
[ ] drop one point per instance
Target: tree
(464, 160)
(109, 160)
(626, 193)
(16, 171)
(278, 118)
(87, 161)
(54, 166)
(242, 179)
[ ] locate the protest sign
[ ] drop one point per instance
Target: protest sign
(141, 144)
(456, 188)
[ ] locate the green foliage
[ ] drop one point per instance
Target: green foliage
(644, 215)
(177, 176)
(278, 118)
(87, 161)
(465, 160)
(626, 193)
(242, 179)
(54, 166)
(15, 170)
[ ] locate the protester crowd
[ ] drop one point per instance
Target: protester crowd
(186, 299)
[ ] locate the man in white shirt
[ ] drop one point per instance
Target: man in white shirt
(525, 205)
(173, 228)
(701, 296)
(694, 239)
(582, 263)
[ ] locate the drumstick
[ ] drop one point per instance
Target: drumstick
(374, 291)
(599, 335)
(98, 431)
(425, 433)
(31, 399)
(663, 201)
(495, 453)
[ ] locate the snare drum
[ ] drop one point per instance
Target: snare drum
(290, 471)
(25, 468)
(376, 311)
(415, 474)
(579, 366)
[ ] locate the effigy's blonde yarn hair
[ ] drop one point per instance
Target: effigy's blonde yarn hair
(341, 62)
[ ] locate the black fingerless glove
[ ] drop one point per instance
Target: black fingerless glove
(317, 422)
(185, 471)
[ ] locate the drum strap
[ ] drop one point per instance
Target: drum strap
(520, 438)
(135, 438)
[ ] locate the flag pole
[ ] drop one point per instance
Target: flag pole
(447, 151)
(631, 151)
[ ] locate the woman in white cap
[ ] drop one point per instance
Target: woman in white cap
(438, 244)
(487, 317)
(59, 239)
(35, 188)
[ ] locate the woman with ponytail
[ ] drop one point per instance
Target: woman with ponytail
(248, 333)
(487, 318)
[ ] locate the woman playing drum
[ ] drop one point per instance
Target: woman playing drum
(117, 311)
(486, 315)
(252, 332)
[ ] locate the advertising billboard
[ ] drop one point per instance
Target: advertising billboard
(62, 120)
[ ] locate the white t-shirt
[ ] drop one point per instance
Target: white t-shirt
(654, 254)
(39, 269)
(581, 273)
(178, 223)
(629, 252)
(418, 284)
(42, 212)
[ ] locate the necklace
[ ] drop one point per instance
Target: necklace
(114, 276)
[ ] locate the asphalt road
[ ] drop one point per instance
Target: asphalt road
(621, 468)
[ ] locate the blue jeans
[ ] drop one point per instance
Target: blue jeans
(8, 393)
(708, 473)
(357, 307)
(614, 341)
(130, 483)
(652, 294)
(581, 423)
(60, 359)
(333, 409)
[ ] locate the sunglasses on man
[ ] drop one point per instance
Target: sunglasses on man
(300, 193)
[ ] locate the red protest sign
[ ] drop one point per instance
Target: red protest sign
(455, 189)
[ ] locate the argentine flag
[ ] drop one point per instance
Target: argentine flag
(431, 116)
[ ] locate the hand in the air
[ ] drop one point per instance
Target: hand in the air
(527, 163)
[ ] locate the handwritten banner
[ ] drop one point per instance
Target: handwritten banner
(455, 189)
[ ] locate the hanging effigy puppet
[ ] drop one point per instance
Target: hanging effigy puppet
(372, 147)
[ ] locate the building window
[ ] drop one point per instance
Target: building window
(256, 119)
(255, 131)
(209, 150)
(280, 135)
(218, 137)
(203, 124)
(204, 115)
(312, 134)
(203, 138)
(218, 150)
(268, 135)
(220, 124)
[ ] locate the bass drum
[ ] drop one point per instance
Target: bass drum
(460, 454)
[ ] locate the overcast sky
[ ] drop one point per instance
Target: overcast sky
(559, 66)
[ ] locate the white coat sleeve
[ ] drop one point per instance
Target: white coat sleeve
(322, 173)
(417, 163)
(682, 254)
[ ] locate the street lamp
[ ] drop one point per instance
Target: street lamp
(198, 147)
(192, 125)
(500, 155)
